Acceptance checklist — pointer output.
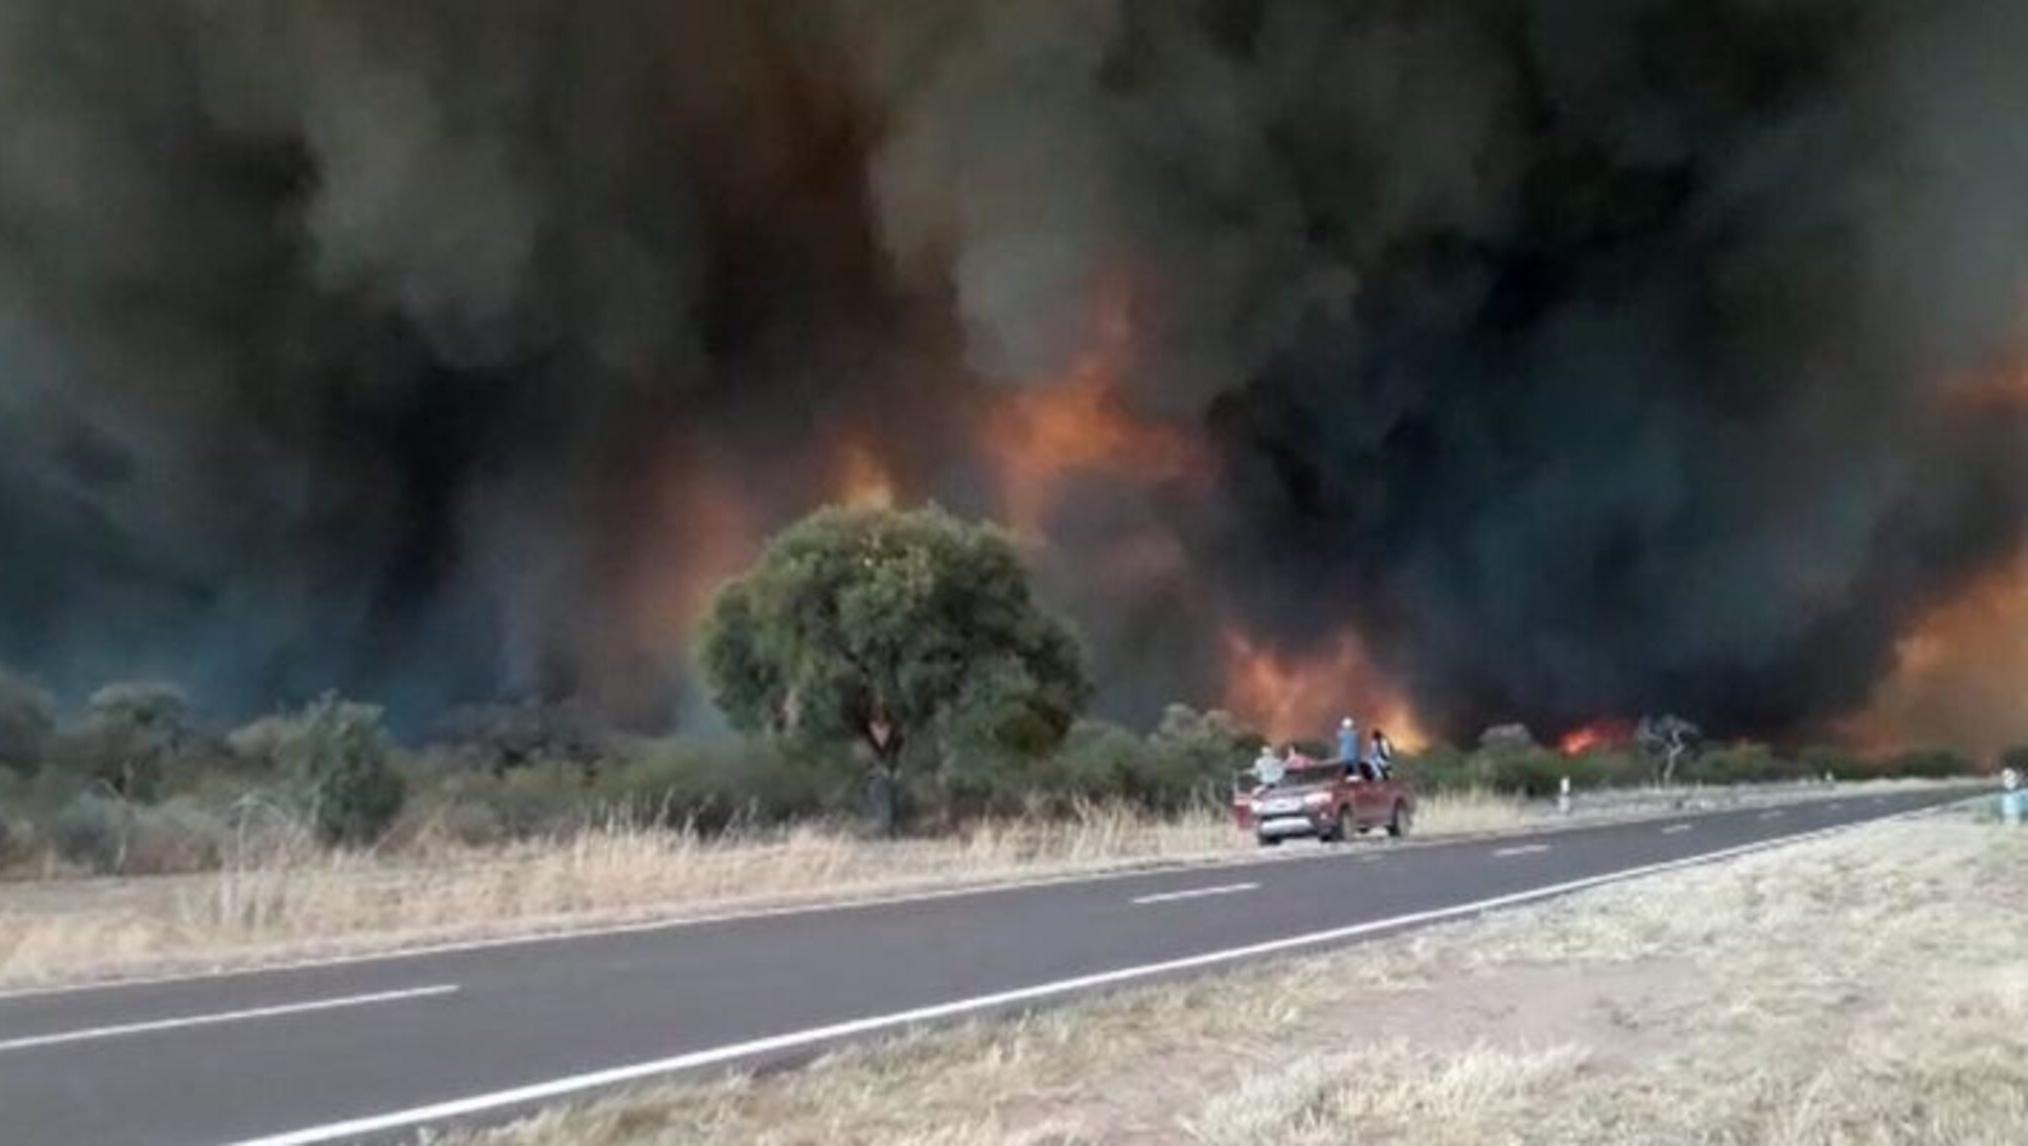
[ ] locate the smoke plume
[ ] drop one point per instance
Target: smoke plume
(1568, 357)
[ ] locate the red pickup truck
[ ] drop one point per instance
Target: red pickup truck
(1329, 800)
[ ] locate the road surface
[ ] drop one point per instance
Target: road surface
(372, 1049)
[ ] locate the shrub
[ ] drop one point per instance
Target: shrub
(1103, 761)
(175, 836)
(1743, 764)
(336, 755)
(17, 831)
(1932, 764)
(129, 736)
(502, 737)
(533, 800)
(1507, 738)
(714, 785)
(1438, 768)
(91, 831)
(1529, 771)
(1840, 763)
(472, 824)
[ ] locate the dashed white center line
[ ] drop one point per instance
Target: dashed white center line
(33, 1041)
(1672, 829)
(1198, 893)
(1774, 815)
(1523, 850)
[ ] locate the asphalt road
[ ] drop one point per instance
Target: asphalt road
(375, 1048)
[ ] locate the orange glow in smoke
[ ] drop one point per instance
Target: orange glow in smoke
(1291, 698)
(1079, 423)
(702, 537)
(1959, 673)
(864, 481)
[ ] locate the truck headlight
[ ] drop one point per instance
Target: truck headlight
(1317, 799)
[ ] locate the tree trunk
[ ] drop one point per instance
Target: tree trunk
(887, 742)
(884, 797)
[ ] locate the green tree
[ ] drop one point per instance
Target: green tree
(129, 736)
(899, 632)
(338, 757)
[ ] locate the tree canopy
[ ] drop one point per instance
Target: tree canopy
(899, 632)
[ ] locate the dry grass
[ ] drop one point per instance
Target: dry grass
(1867, 988)
(285, 898)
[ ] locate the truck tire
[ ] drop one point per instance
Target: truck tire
(1402, 819)
(1340, 829)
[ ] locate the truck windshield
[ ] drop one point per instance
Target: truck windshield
(1304, 777)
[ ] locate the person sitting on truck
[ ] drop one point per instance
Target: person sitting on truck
(1382, 753)
(1348, 740)
(1267, 767)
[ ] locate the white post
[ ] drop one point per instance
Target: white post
(1563, 797)
(2013, 798)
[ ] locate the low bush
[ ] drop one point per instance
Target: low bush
(713, 785)
(91, 832)
(1932, 764)
(177, 835)
(337, 758)
(1743, 764)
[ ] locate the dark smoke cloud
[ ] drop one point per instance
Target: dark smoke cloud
(1587, 356)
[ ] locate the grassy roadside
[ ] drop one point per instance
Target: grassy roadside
(322, 903)
(276, 906)
(1866, 988)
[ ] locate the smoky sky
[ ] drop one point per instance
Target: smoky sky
(1585, 356)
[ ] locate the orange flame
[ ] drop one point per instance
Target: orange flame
(1594, 736)
(1292, 697)
(1079, 423)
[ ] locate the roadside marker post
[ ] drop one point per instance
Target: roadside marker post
(2013, 801)
(1563, 797)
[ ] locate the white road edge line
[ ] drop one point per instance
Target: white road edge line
(715, 1056)
(33, 1041)
(566, 934)
(1197, 893)
(1774, 815)
(1672, 829)
(1523, 850)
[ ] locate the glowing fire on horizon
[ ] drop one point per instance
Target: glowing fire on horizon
(1295, 697)
(1596, 736)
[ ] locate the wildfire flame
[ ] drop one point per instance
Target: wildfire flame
(1594, 736)
(1290, 697)
(1056, 429)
